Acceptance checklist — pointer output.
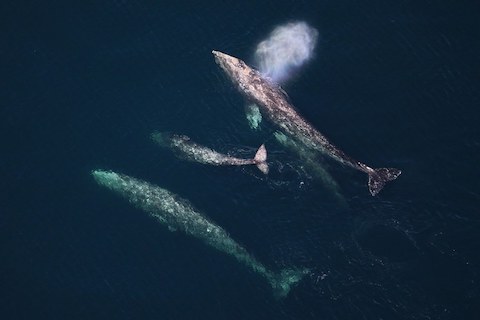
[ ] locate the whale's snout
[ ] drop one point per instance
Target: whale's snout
(218, 54)
(220, 58)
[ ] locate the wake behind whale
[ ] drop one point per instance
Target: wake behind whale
(179, 214)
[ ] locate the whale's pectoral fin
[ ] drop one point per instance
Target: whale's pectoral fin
(260, 159)
(254, 117)
(379, 177)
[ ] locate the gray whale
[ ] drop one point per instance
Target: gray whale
(179, 214)
(274, 105)
(187, 149)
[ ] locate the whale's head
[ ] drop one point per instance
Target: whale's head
(226, 62)
(236, 69)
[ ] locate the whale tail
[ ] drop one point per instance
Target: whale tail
(260, 159)
(379, 177)
(285, 280)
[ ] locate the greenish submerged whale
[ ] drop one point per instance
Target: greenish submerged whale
(178, 214)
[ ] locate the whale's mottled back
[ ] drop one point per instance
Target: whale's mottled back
(274, 105)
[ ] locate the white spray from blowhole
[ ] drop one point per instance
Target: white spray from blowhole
(286, 49)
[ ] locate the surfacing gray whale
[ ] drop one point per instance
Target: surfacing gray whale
(274, 105)
(187, 149)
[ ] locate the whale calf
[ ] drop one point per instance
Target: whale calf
(274, 105)
(179, 214)
(185, 148)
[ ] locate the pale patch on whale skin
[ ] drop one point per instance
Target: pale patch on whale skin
(275, 106)
(178, 214)
(187, 149)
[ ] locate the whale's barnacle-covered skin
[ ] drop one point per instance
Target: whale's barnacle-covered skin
(187, 149)
(275, 106)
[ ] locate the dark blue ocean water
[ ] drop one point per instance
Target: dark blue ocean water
(84, 83)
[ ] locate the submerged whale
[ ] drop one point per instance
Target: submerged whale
(178, 214)
(185, 148)
(274, 105)
(311, 163)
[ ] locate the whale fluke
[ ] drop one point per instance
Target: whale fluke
(260, 159)
(377, 178)
(261, 155)
(282, 282)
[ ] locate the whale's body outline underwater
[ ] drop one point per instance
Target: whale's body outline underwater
(179, 214)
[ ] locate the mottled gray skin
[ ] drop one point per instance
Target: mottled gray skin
(187, 149)
(178, 214)
(274, 105)
(198, 153)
